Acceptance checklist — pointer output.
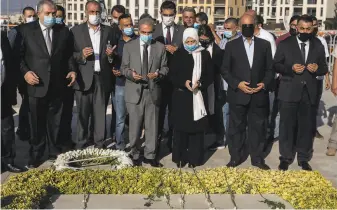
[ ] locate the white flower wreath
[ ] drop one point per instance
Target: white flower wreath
(63, 160)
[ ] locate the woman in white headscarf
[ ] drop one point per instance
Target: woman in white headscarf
(189, 74)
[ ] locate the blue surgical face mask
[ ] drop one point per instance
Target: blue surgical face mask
(196, 25)
(59, 20)
(49, 21)
(146, 38)
(191, 48)
(128, 31)
(228, 34)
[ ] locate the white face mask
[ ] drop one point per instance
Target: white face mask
(115, 20)
(94, 19)
(29, 19)
(168, 21)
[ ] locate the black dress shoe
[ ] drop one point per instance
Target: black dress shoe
(13, 168)
(261, 165)
(153, 163)
(305, 166)
(233, 164)
(137, 162)
(283, 166)
(30, 166)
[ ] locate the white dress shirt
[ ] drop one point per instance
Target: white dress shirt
(165, 31)
(307, 43)
(268, 37)
(44, 32)
(210, 49)
(95, 37)
(141, 51)
(2, 68)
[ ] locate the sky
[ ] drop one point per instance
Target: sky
(15, 6)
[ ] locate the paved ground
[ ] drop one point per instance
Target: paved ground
(326, 165)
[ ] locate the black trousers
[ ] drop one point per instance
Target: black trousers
(66, 118)
(45, 117)
(7, 135)
(296, 124)
(91, 103)
(188, 148)
(24, 115)
(239, 144)
(166, 102)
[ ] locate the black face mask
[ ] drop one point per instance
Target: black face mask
(247, 30)
(314, 33)
(293, 32)
(205, 43)
(304, 36)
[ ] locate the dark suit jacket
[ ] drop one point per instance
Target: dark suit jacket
(177, 38)
(8, 87)
(51, 69)
(85, 74)
(287, 54)
(236, 68)
(217, 58)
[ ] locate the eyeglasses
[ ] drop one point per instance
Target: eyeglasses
(170, 15)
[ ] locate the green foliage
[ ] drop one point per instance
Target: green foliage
(301, 189)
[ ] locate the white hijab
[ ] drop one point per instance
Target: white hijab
(199, 110)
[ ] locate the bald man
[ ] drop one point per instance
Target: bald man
(247, 68)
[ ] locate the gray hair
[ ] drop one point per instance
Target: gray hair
(232, 20)
(146, 21)
(43, 2)
(92, 2)
(189, 9)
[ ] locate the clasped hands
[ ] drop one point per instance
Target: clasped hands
(244, 86)
(87, 51)
(299, 68)
(194, 87)
(32, 79)
(138, 77)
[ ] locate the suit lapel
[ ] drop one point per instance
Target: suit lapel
(137, 48)
(256, 51)
(175, 33)
(311, 49)
(103, 42)
(40, 38)
(152, 54)
(297, 49)
(245, 58)
(86, 34)
(55, 39)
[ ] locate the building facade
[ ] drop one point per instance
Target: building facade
(275, 11)
(206, 6)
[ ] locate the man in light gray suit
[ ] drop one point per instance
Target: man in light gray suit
(144, 65)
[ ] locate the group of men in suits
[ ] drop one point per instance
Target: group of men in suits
(93, 60)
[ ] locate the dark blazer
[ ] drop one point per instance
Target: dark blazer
(235, 69)
(8, 87)
(217, 58)
(85, 74)
(182, 99)
(177, 38)
(287, 54)
(51, 69)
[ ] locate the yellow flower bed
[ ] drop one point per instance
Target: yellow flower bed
(303, 190)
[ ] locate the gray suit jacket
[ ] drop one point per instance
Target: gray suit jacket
(132, 61)
(177, 38)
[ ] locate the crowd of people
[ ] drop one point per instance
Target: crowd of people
(246, 86)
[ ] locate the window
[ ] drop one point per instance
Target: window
(322, 2)
(236, 2)
(180, 10)
(312, 1)
(195, 1)
(237, 12)
(137, 3)
(201, 2)
(230, 11)
(201, 9)
(75, 7)
(82, 16)
(70, 7)
(127, 11)
(311, 11)
(287, 11)
(321, 11)
(208, 10)
(243, 3)
(209, 2)
(146, 3)
(156, 13)
(127, 3)
(70, 16)
(137, 13)
(75, 16)
(146, 11)
(281, 10)
(81, 6)
(118, 2)
(155, 3)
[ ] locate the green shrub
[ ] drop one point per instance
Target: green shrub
(301, 189)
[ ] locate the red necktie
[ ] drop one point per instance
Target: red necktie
(168, 35)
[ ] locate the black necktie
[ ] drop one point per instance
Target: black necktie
(145, 61)
(168, 35)
(303, 50)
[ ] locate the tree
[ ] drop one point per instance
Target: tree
(332, 23)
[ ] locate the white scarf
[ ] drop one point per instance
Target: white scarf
(199, 110)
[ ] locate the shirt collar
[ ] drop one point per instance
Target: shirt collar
(98, 28)
(299, 41)
(42, 26)
(245, 39)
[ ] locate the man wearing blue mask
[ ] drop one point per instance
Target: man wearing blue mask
(47, 67)
(230, 33)
(144, 64)
(126, 27)
(60, 15)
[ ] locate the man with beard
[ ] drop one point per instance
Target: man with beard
(189, 18)
(299, 59)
